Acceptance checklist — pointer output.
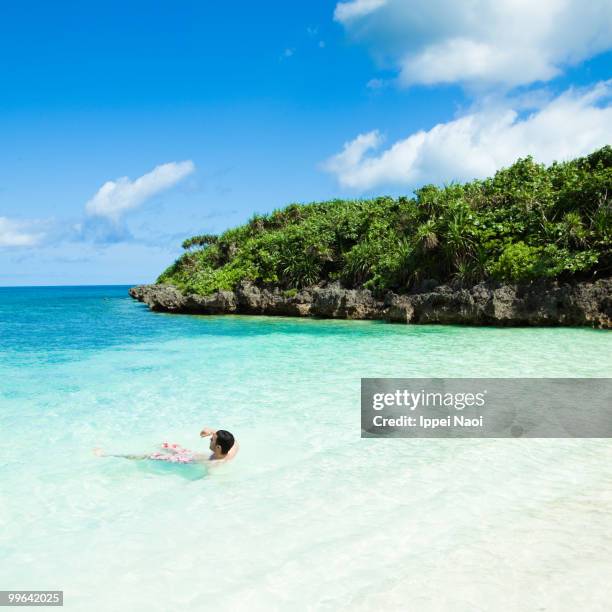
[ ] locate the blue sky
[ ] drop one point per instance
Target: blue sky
(214, 111)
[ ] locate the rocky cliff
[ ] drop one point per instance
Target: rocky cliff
(538, 303)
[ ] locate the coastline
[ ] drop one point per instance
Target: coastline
(540, 303)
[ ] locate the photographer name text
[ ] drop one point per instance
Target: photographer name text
(455, 420)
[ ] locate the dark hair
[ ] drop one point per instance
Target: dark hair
(225, 440)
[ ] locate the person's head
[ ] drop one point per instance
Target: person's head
(221, 442)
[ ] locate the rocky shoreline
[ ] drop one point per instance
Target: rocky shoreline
(546, 303)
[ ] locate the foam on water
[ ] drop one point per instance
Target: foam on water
(309, 516)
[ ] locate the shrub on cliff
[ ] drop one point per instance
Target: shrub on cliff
(528, 221)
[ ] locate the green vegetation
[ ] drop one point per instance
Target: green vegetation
(528, 221)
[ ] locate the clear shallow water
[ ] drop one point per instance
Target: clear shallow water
(309, 516)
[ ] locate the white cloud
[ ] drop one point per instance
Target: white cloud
(479, 143)
(347, 11)
(17, 233)
(462, 59)
(116, 197)
(481, 42)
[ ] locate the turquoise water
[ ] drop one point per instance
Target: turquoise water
(309, 516)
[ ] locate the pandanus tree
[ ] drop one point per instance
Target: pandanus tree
(201, 241)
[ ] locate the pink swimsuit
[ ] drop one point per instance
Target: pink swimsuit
(178, 454)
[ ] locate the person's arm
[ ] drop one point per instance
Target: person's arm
(232, 451)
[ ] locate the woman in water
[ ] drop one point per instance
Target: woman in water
(222, 444)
